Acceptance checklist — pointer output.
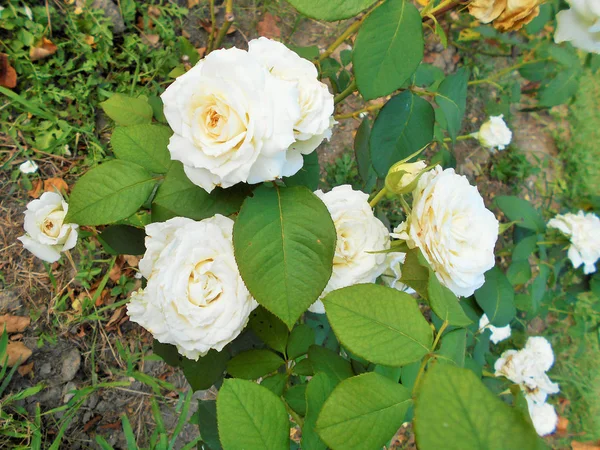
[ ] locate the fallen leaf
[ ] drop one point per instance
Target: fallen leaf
(17, 352)
(8, 75)
(36, 190)
(153, 11)
(585, 445)
(25, 369)
(14, 324)
(115, 272)
(267, 27)
(90, 423)
(563, 424)
(42, 49)
(192, 3)
(115, 317)
(206, 24)
(56, 185)
(77, 305)
(201, 51)
(132, 260)
(150, 39)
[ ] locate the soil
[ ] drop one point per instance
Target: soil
(76, 354)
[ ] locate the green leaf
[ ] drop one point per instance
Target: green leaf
(331, 10)
(560, 89)
(318, 390)
(123, 240)
(403, 126)
(393, 373)
(177, 196)
(309, 52)
(157, 108)
(206, 371)
(455, 411)
(109, 192)
(254, 364)
(444, 303)
(308, 175)
(380, 324)
(388, 48)
(275, 383)
(329, 362)
(361, 149)
(453, 347)
(269, 329)
(497, 298)
(251, 417)
(415, 272)
(519, 272)
(363, 412)
(301, 338)
(303, 367)
(126, 110)
(427, 74)
(143, 144)
(452, 100)
(207, 423)
(295, 397)
(524, 248)
(284, 241)
(521, 211)
(167, 352)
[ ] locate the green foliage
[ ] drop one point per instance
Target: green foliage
(452, 100)
(251, 417)
(254, 364)
(269, 329)
(123, 240)
(363, 412)
(388, 48)
(295, 233)
(378, 323)
(404, 125)
(319, 388)
(522, 212)
(145, 145)
(308, 175)
(331, 10)
(497, 298)
(126, 110)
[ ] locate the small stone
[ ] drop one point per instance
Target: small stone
(45, 370)
(92, 401)
(67, 391)
(50, 395)
(70, 365)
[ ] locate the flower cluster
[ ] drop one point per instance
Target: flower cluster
(46, 233)
(195, 298)
(580, 25)
(527, 368)
(584, 232)
(247, 116)
(506, 15)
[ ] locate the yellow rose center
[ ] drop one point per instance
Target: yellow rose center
(52, 224)
(203, 286)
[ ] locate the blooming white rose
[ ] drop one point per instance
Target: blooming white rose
(46, 233)
(584, 232)
(393, 272)
(498, 333)
(195, 298)
(28, 167)
(359, 232)
(451, 226)
(316, 102)
(232, 121)
(543, 416)
(580, 25)
(494, 133)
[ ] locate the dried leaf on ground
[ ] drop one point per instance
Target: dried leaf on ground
(25, 369)
(115, 272)
(14, 324)
(153, 11)
(56, 185)
(585, 445)
(115, 317)
(8, 75)
(36, 189)
(563, 424)
(132, 260)
(16, 350)
(192, 3)
(267, 27)
(42, 49)
(150, 39)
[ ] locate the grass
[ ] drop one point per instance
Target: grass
(582, 152)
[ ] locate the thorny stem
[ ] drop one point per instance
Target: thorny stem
(358, 112)
(506, 71)
(213, 24)
(378, 197)
(229, 18)
(345, 93)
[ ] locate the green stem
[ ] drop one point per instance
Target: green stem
(382, 193)
(213, 24)
(345, 93)
(464, 137)
(439, 9)
(421, 372)
(506, 71)
(358, 112)
(229, 18)
(438, 336)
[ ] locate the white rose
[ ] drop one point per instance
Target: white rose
(46, 233)
(232, 121)
(316, 102)
(28, 167)
(359, 233)
(393, 272)
(584, 232)
(453, 229)
(195, 298)
(494, 133)
(580, 25)
(527, 368)
(401, 176)
(543, 416)
(498, 333)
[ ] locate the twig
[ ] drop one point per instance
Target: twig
(358, 112)
(345, 93)
(229, 18)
